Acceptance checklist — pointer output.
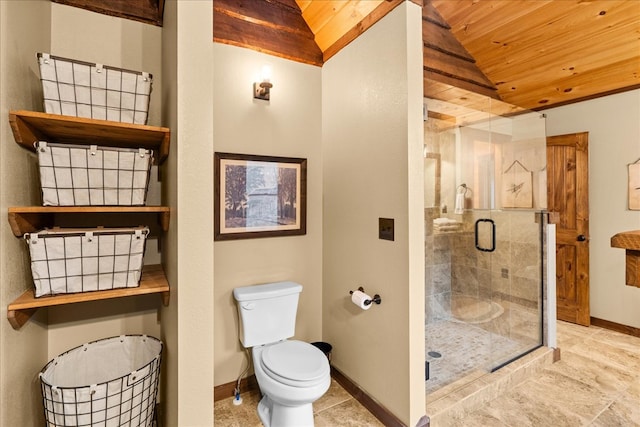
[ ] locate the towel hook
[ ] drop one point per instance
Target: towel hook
(465, 189)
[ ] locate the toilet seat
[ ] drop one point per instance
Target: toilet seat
(295, 363)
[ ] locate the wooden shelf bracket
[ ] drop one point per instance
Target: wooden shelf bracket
(630, 242)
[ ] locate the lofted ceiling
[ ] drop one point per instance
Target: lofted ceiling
(540, 53)
(331, 21)
(533, 54)
(530, 53)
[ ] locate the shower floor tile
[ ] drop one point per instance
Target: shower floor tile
(464, 348)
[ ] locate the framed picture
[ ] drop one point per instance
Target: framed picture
(259, 196)
(634, 186)
(517, 190)
(517, 186)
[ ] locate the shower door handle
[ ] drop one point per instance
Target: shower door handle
(492, 224)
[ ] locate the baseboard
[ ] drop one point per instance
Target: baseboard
(224, 391)
(624, 329)
(380, 412)
(250, 383)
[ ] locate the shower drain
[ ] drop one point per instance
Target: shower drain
(434, 354)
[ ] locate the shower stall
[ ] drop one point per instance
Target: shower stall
(485, 201)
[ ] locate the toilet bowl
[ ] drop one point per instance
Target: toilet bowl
(291, 376)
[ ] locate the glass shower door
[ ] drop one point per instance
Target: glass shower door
(515, 271)
(502, 162)
(517, 261)
(483, 258)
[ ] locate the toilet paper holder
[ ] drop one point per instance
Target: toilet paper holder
(376, 298)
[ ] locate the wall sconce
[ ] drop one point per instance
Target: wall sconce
(262, 89)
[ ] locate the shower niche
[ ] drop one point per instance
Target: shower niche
(484, 237)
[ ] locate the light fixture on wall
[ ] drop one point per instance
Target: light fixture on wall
(262, 89)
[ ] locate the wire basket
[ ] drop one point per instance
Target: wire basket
(111, 382)
(84, 89)
(65, 261)
(89, 175)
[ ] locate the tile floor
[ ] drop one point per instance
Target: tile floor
(335, 408)
(596, 383)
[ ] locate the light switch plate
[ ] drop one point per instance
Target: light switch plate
(386, 229)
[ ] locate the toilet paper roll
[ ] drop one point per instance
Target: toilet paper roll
(359, 298)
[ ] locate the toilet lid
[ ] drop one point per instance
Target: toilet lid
(295, 361)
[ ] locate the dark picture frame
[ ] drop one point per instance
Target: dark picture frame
(634, 186)
(259, 196)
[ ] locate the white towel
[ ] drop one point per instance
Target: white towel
(444, 221)
(459, 208)
(448, 228)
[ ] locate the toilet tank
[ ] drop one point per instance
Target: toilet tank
(267, 312)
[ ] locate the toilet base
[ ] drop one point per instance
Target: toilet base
(274, 415)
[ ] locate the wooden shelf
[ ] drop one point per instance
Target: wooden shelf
(630, 241)
(30, 126)
(153, 281)
(28, 219)
(627, 240)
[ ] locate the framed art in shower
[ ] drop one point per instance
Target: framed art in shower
(259, 196)
(517, 186)
(634, 186)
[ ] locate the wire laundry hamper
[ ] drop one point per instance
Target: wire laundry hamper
(112, 382)
(84, 89)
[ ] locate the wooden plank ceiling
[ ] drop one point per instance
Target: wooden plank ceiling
(542, 53)
(308, 31)
(530, 53)
(275, 27)
(147, 11)
(446, 61)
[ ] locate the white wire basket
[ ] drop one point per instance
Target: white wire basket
(112, 382)
(83, 89)
(65, 261)
(89, 175)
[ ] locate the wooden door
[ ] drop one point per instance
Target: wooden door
(568, 195)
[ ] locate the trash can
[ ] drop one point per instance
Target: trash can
(325, 347)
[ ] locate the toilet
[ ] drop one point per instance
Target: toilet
(291, 374)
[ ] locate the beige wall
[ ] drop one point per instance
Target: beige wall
(372, 154)
(613, 123)
(80, 34)
(24, 29)
(187, 323)
(169, 315)
(289, 126)
(194, 126)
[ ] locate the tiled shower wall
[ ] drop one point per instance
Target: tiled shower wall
(437, 270)
(509, 275)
